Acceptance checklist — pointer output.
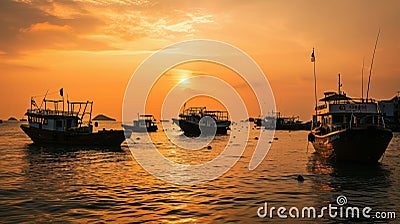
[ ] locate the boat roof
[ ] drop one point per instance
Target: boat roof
(332, 96)
(146, 115)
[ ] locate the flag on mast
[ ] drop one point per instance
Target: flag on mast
(312, 56)
(62, 92)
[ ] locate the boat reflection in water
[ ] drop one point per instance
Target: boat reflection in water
(364, 185)
(348, 129)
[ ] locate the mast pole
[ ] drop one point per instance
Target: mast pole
(372, 62)
(315, 84)
(362, 81)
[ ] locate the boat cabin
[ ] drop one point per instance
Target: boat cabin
(145, 121)
(56, 118)
(196, 113)
(339, 112)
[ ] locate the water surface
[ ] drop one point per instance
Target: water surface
(84, 184)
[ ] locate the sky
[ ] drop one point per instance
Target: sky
(92, 48)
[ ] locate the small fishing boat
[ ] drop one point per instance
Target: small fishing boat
(349, 129)
(278, 122)
(144, 123)
(195, 121)
(67, 127)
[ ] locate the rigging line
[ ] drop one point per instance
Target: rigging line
(372, 62)
(47, 93)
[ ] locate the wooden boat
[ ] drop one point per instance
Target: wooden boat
(349, 129)
(67, 127)
(144, 123)
(195, 121)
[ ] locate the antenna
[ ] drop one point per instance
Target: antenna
(362, 81)
(372, 62)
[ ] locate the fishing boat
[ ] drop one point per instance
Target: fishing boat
(144, 123)
(196, 121)
(54, 125)
(349, 129)
(278, 122)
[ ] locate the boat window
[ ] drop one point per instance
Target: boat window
(58, 124)
(337, 119)
(45, 121)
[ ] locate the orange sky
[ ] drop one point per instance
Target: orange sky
(91, 48)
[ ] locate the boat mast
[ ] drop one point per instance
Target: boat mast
(339, 84)
(315, 84)
(362, 81)
(372, 62)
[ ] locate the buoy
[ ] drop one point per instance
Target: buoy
(209, 147)
(300, 178)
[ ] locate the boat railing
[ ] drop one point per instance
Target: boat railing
(202, 111)
(365, 121)
(219, 115)
(52, 112)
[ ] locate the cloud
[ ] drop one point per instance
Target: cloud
(26, 26)
(135, 24)
(46, 27)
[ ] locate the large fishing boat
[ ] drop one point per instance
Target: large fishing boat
(196, 121)
(54, 125)
(144, 123)
(349, 129)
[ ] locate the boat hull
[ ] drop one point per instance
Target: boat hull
(357, 144)
(100, 138)
(193, 129)
(140, 129)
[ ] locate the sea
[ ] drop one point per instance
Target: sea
(56, 184)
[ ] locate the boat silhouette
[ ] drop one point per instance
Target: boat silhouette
(67, 127)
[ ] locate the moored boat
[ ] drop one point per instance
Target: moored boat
(67, 127)
(349, 129)
(196, 121)
(144, 123)
(278, 122)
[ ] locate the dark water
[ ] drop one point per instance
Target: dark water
(75, 184)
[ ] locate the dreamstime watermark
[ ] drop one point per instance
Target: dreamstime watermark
(339, 210)
(220, 53)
